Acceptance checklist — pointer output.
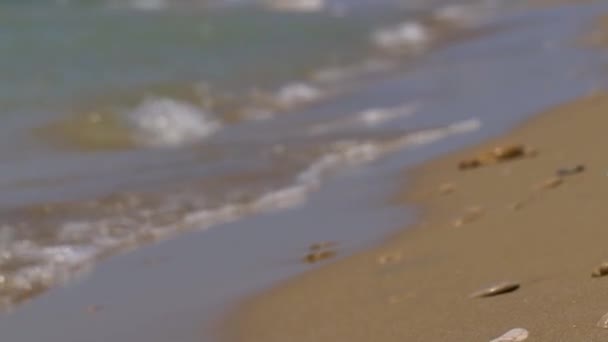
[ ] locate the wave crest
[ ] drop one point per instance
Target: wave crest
(154, 123)
(163, 122)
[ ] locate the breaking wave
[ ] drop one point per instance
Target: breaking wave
(49, 244)
(155, 122)
(167, 123)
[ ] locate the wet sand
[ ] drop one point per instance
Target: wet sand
(416, 286)
(598, 37)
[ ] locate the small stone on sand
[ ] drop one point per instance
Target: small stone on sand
(496, 155)
(497, 289)
(508, 152)
(600, 271)
(569, 171)
(389, 258)
(317, 256)
(513, 335)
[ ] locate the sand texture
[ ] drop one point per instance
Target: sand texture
(514, 221)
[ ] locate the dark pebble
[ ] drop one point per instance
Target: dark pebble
(569, 171)
(600, 271)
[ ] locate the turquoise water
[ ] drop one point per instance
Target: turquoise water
(61, 64)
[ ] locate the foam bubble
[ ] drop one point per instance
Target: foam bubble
(375, 117)
(295, 94)
(162, 122)
(410, 35)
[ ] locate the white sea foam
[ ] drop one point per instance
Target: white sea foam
(337, 75)
(298, 93)
(369, 118)
(457, 13)
(163, 122)
(349, 153)
(265, 105)
(410, 36)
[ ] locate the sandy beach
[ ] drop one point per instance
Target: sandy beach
(516, 221)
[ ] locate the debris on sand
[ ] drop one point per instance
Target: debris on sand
(314, 257)
(389, 258)
(513, 335)
(569, 171)
(603, 322)
(600, 271)
(497, 155)
(496, 289)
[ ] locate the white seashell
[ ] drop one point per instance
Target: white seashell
(513, 335)
(603, 322)
(496, 289)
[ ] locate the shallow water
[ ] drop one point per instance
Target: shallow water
(126, 123)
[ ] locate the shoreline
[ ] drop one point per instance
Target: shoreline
(178, 289)
(415, 286)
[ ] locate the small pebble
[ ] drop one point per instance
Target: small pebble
(600, 271)
(446, 188)
(513, 335)
(497, 289)
(603, 322)
(497, 154)
(389, 258)
(509, 152)
(317, 256)
(569, 171)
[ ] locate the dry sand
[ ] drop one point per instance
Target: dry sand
(416, 287)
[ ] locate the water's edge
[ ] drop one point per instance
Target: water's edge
(129, 291)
